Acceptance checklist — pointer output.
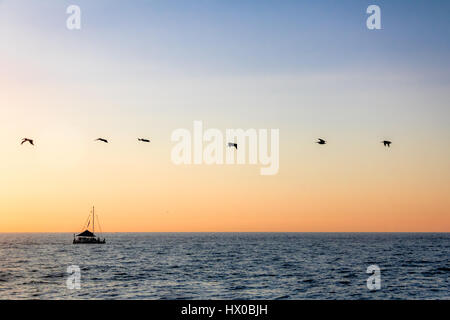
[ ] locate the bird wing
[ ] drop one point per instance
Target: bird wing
(31, 141)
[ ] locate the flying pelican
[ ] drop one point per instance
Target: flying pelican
(386, 143)
(102, 140)
(27, 140)
(321, 141)
(143, 140)
(231, 145)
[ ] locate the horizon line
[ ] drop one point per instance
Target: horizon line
(56, 232)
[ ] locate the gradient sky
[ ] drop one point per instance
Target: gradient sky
(145, 68)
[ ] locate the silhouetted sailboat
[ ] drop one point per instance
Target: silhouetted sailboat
(86, 236)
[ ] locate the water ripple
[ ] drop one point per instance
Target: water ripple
(226, 266)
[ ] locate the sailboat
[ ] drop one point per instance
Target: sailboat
(88, 236)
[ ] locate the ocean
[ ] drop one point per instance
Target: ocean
(226, 266)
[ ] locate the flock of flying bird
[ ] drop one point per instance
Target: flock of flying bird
(386, 143)
(31, 141)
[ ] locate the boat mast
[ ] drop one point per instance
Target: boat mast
(93, 220)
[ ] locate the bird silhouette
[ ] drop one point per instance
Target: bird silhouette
(231, 145)
(143, 140)
(102, 140)
(386, 143)
(27, 140)
(321, 141)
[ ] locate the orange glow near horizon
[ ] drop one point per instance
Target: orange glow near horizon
(347, 185)
(133, 194)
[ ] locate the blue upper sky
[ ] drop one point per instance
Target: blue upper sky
(280, 36)
(202, 58)
(249, 36)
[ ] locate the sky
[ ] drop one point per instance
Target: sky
(146, 68)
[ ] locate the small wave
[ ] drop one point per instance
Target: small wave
(349, 275)
(54, 275)
(446, 269)
(282, 297)
(238, 288)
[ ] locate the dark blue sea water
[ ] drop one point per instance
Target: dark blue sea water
(227, 266)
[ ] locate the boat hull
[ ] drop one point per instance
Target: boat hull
(89, 241)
